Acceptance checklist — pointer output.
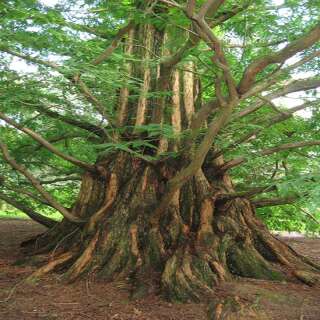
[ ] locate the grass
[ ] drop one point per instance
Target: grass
(19, 215)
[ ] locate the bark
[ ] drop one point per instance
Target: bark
(200, 240)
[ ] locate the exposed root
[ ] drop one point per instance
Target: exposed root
(84, 260)
(232, 308)
(58, 261)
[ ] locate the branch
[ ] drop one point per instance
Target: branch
(288, 146)
(292, 86)
(47, 144)
(70, 178)
(36, 183)
(66, 137)
(172, 3)
(269, 202)
(114, 44)
(270, 122)
(308, 214)
(72, 121)
(45, 221)
(28, 194)
(190, 7)
(246, 194)
(273, 79)
(219, 58)
(271, 104)
(209, 6)
(26, 57)
(84, 28)
(203, 113)
(281, 56)
(86, 92)
(194, 40)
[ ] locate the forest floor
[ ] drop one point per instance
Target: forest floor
(90, 299)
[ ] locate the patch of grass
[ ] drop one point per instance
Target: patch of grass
(20, 215)
(12, 215)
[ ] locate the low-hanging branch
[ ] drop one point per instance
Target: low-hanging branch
(45, 221)
(62, 179)
(64, 137)
(37, 185)
(27, 193)
(269, 202)
(47, 144)
(288, 146)
(247, 193)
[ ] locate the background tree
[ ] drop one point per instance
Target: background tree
(166, 111)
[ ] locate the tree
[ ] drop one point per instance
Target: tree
(156, 105)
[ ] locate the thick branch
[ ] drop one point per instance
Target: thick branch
(28, 194)
(114, 44)
(274, 78)
(291, 87)
(283, 116)
(72, 121)
(209, 7)
(63, 179)
(47, 144)
(47, 222)
(281, 56)
(246, 194)
(194, 40)
(37, 185)
(288, 146)
(274, 201)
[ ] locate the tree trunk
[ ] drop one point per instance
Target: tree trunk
(198, 242)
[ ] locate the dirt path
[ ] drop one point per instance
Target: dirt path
(90, 299)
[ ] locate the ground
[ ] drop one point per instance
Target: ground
(91, 299)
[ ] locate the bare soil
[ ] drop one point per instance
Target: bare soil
(51, 298)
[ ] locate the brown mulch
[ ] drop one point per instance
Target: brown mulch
(50, 298)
